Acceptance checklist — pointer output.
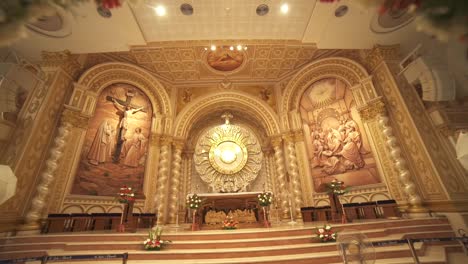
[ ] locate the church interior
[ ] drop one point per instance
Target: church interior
(233, 131)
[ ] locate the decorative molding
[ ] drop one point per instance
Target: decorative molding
(344, 69)
(231, 100)
(372, 109)
(74, 118)
(102, 75)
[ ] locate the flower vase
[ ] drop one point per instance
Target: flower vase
(121, 226)
(266, 223)
(194, 223)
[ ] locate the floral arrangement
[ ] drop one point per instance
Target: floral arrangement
(326, 234)
(126, 195)
(229, 223)
(265, 198)
(336, 187)
(193, 202)
(154, 241)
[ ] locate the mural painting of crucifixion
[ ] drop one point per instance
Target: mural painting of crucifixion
(115, 148)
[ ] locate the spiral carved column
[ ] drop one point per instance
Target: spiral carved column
(189, 174)
(294, 172)
(175, 182)
(281, 177)
(409, 187)
(47, 176)
(162, 179)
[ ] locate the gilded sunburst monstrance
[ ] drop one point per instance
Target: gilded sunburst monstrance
(228, 157)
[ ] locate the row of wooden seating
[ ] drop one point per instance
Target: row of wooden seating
(94, 222)
(353, 211)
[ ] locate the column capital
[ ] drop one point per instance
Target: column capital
(178, 143)
(165, 140)
(298, 136)
(372, 109)
(289, 137)
(74, 118)
(276, 141)
(154, 139)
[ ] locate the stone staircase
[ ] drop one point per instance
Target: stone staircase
(280, 244)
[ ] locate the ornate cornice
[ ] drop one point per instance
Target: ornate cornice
(381, 53)
(62, 59)
(74, 118)
(372, 109)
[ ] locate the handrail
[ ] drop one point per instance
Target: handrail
(463, 241)
(46, 258)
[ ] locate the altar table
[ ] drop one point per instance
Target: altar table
(228, 202)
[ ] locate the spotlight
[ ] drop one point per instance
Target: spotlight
(160, 10)
(284, 8)
(239, 47)
(231, 48)
(213, 47)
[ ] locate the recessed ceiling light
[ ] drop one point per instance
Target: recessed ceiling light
(186, 9)
(262, 10)
(341, 11)
(284, 8)
(160, 10)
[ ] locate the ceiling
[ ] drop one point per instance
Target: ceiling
(307, 22)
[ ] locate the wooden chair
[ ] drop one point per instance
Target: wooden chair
(351, 211)
(100, 221)
(56, 223)
(114, 220)
(389, 208)
(323, 213)
(147, 220)
(368, 210)
(80, 222)
(307, 214)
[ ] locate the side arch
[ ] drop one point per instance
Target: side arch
(344, 69)
(226, 100)
(95, 79)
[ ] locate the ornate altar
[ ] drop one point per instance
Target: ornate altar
(242, 207)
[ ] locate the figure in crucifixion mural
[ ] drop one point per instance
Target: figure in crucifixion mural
(116, 143)
(126, 109)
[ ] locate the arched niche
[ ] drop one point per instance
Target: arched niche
(235, 101)
(95, 79)
(346, 70)
(83, 102)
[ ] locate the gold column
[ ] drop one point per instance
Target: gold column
(175, 181)
(34, 213)
(151, 181)
(281, 176)
(294, 173)
(162, 179)
(376, 109)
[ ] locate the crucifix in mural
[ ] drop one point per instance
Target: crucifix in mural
(126, 109)
(115, 146)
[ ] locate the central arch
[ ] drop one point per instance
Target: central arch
(261, 111)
